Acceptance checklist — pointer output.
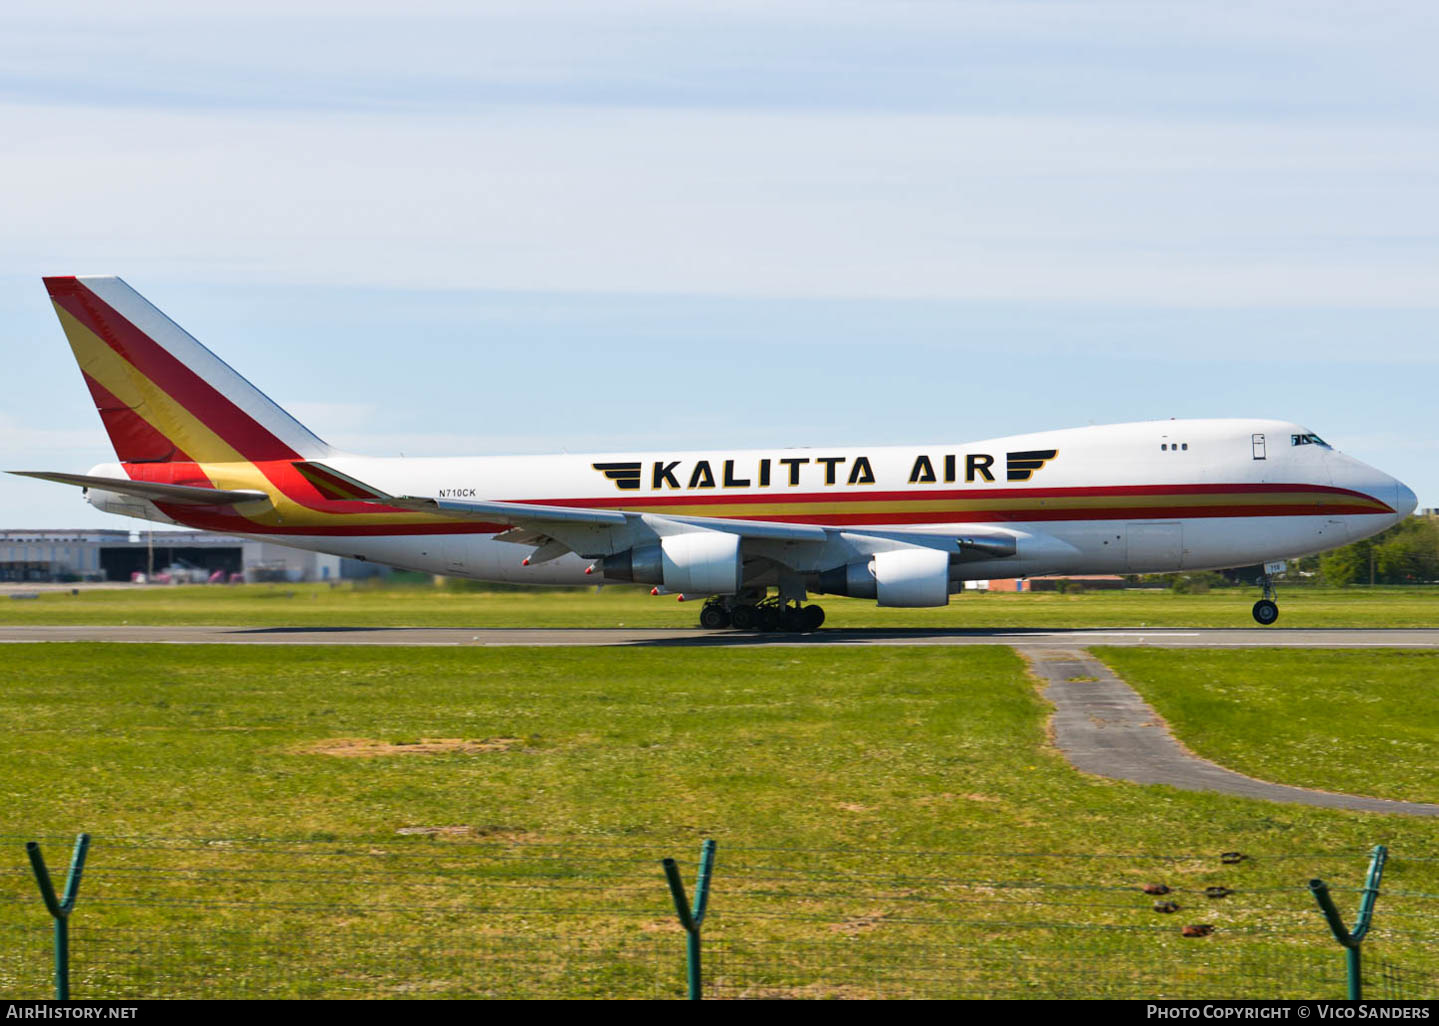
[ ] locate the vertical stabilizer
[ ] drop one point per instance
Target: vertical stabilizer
(161, 394)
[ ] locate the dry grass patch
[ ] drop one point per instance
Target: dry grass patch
(369, 748)
(853, 925)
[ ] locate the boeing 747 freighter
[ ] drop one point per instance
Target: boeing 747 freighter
(753, 533)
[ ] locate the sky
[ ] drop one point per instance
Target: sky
(475, 228)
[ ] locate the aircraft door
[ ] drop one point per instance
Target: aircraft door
(1154, 548)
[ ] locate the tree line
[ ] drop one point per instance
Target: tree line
(1407, 553)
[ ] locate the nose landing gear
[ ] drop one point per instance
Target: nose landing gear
(1266, 610)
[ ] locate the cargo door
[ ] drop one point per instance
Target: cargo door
(1154, 548)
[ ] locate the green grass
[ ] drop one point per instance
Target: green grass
(1362, 722)
(610, 743)
(347, 604)
(595, 763)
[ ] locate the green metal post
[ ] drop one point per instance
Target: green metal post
(692, 918)
(1353, 939)
(60, 910)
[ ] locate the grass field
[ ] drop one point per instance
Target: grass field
(348, 604)
(862, 758)
(1361, 722)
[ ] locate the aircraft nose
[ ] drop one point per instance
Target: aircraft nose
(1405, 501)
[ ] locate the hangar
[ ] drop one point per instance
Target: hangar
(116, 555)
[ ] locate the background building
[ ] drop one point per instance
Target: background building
(1055, 583)
(115, 555)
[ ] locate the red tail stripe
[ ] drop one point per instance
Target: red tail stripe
(232, 523)
(184, 386)
(134, 438)
(288, 480)
(284, 475)
(341, 488)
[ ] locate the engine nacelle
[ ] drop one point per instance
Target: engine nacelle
(912, 577)
(853, 579)
(900, 577)
(695, 563)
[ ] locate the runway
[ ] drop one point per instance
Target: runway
(1254, 637)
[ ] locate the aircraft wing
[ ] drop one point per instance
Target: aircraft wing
(521, 516)
(184, 495)
(514, 513)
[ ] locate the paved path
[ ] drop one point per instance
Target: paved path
(1252, 637)
(1104, 727)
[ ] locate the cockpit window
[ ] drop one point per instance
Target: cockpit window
(1308, 440)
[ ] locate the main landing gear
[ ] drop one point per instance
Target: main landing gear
(748, 613)
(1266, 610)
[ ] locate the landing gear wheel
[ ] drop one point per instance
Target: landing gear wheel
(811, 618)
(713, 617)
(1266, 612)
(744, 618)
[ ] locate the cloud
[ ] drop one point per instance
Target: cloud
(734, 203)
(1096, 152)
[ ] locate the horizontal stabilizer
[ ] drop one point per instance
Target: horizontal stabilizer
(184, 495)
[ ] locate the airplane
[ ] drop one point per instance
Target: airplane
(906, 526)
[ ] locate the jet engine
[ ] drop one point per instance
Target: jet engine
(900, 577)
(695, 563)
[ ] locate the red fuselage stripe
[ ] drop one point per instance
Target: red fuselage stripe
(1330, 502)
(926, 493)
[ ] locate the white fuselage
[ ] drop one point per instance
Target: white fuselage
(1132, 498)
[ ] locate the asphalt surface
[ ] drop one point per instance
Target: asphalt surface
(1104, 727)
(1252, 637)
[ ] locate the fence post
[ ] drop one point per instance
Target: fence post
(1352, 939)
(60, 910)
(693, 919)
